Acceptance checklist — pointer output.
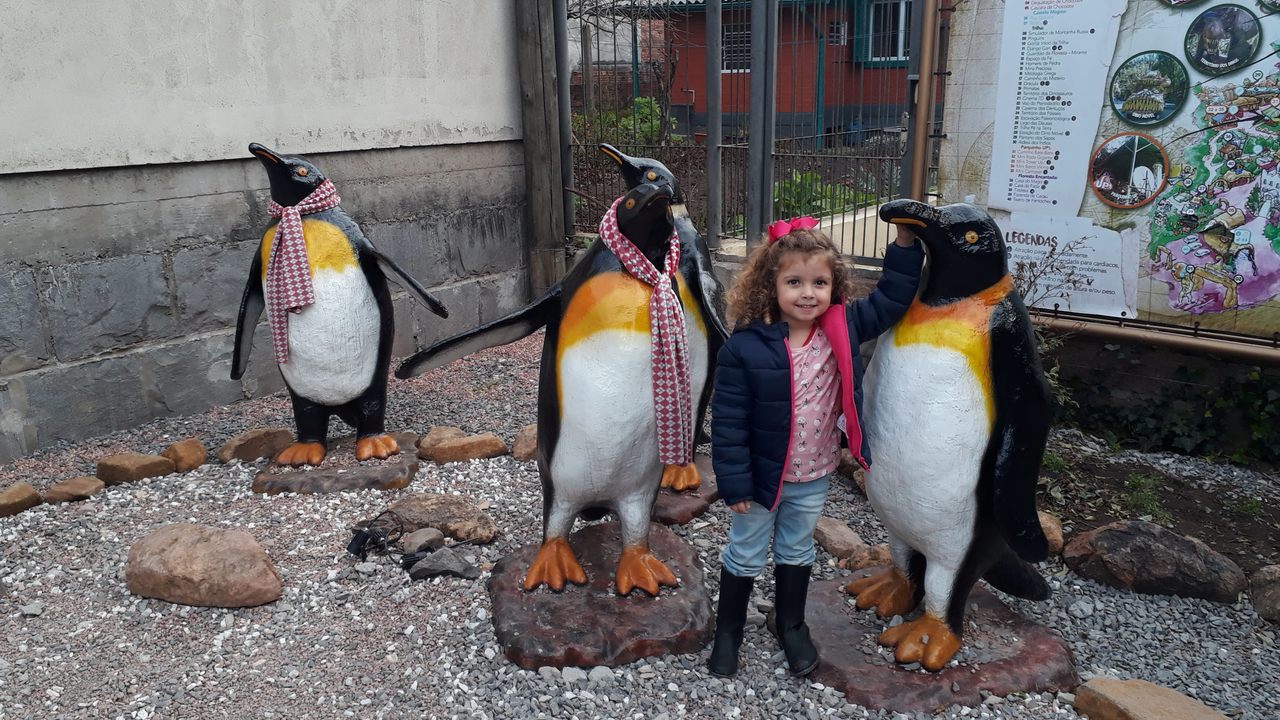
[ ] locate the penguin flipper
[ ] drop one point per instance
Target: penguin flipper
(517, 325)
(251, 305)
(1011, 466)
(398, 275)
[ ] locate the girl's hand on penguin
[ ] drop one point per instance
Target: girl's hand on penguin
(905, 238)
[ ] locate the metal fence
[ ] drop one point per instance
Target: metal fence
(640, 81)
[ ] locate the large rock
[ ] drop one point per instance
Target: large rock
(445, 561)
(186, 455)
(436, 435)
(1146, 558)
(131, 467)
(78, 488)
(204, 566)
(592, 625)
(837, 538)
(255, 444)
(1002, 652)
(471, 447)
(868, 556)
(1052, 528)
(1264, 591)
(453, 515)
(525, 446)
(17, 498)
(850, 468)
(1109, 699)
(678, 508)
(391, 475)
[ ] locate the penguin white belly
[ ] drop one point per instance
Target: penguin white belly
(608, 447)
(333, 343)
(928, 425)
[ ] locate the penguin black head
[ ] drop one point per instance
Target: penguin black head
(644, 215)
(637, 171)
(292, 177)
(966, 249)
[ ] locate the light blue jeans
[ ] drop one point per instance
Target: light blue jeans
(790, 526)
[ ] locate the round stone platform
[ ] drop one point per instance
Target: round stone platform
(588, 625)
(1001, 652)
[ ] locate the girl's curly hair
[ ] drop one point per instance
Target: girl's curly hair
(754, 295)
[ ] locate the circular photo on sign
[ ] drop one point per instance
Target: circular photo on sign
(1269, 5)
(1149, 87)
(1222, 39)
(1179, 3)
(1128, 170)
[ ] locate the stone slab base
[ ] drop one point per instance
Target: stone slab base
(1002, 652)
(591, 625)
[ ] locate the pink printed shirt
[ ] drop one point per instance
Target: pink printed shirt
(815, 407)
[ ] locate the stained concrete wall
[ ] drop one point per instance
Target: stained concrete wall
(94, 84)
(121, 270)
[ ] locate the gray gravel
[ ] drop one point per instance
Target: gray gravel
(362, 640)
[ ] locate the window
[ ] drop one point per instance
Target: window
(890, 30)
(838, 33)
(735, 47)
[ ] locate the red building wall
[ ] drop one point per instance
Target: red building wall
(846, 81)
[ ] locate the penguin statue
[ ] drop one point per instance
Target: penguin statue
(324, 288)
(604, 442)
(957, 413)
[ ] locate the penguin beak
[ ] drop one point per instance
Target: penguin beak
(650, 193)
(615, 154)
(908, 212)
(267, 157)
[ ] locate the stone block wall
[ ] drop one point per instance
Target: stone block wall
(119, 287)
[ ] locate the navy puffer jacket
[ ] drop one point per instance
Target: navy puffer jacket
(751, 404)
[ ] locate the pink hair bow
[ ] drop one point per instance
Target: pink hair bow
(778, 228)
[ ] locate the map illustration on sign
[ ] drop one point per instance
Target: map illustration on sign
(1215, 231)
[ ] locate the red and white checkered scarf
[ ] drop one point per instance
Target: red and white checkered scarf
(672, 395)
(288, 272)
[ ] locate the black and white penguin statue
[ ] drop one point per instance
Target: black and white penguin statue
(957, 416)
(324, 288)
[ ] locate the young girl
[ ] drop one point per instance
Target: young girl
(788, 380)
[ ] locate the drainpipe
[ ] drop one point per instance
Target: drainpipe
(1179, 339)
(924, 96)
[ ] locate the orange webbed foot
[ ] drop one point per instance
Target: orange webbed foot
(638, 568)
(926, 640)
(376, 446)
(300, 453)
(681, 477)
(554, 565)
(889, 592)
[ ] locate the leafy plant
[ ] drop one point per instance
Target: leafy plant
(1247, 506)
(1053, 462)
(644, 123)
(1141, 499)
(806, 194)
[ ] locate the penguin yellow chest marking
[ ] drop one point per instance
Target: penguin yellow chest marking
(327, 247)
(963, 326)
(615, 301)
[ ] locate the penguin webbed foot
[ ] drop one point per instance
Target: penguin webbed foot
(890, 593)
(638, 568)
(553, 566)
(301, 453)
(926, 640)
(376, 446)
(681, 477)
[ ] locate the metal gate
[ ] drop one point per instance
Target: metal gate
(761, 108)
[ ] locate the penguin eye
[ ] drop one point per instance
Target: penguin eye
(971, 237)
(302, 172)
(631, 202)
(651, 175)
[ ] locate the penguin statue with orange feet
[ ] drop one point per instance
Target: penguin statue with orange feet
(324, 288)
(631, 334)
(958, 415)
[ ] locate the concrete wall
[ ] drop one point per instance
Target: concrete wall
(119, 285)
(93, 84)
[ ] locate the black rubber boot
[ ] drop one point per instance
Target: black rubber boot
(731, 619)
(793, 634)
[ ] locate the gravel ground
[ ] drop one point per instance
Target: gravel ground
(362, 640)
